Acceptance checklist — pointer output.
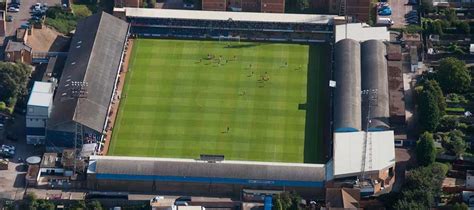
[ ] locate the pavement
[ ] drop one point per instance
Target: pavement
(399, 10)
(12, 181)
(405, 160)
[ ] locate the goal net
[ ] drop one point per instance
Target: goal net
(229, 39)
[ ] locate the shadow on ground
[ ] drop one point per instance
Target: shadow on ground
(317, 105)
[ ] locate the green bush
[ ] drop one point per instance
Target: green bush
(456, 98)
(62, 21)
(413, 29)
(3, 105)
(81, 10)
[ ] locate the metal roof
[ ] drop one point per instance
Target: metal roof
(348, 152)
(375, 76)
(42, 87)
(41, 94)
(194, 168)
(94, 57)
(40, 99)
(347, 98)
(361, 32)
(224, 16)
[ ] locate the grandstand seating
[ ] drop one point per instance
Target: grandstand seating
(214, 28)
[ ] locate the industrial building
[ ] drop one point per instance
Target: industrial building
(81, 104)
(38, 111)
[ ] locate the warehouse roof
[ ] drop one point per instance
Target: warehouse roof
(40, 99)
(224, 16)
(348, 149)
(94, 59)
(42, 87)
(194, 168)
(41, 94)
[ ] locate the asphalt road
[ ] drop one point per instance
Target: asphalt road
(399, 10)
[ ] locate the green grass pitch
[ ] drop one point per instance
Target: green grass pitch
(247, 102)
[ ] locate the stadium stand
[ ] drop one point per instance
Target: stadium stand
(375, 77)
(347, 97)
(98, 38)
(201, 177)
(271, 6)
(211, 24)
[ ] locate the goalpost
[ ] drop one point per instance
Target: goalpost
(229, 39)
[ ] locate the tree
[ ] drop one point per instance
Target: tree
(460, 206)
(79, 205)
(425, 149)
(464, 27)
(459, 146)
(94, 204)
(454, 142)
(45, 205)
(286, 201)
(421, 187)
(433, 87)
(13, 79)
(429, 114)
(427, 6)
(453, 76)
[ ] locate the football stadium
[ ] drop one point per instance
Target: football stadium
(213, 103)
(242, 100)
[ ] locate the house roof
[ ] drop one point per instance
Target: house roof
(345, 198)
(93, 59)
(224, 16)
(13, 46)
(348, 152)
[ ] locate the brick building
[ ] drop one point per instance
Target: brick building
(128, 3)
(273, 6)
(358, 9)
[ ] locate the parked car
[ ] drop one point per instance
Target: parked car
(12, 137)
(13, 9)
(5, 153)
(14, 5)
(413, 2)
(385, 11)
(4, 146)
(184, 199)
